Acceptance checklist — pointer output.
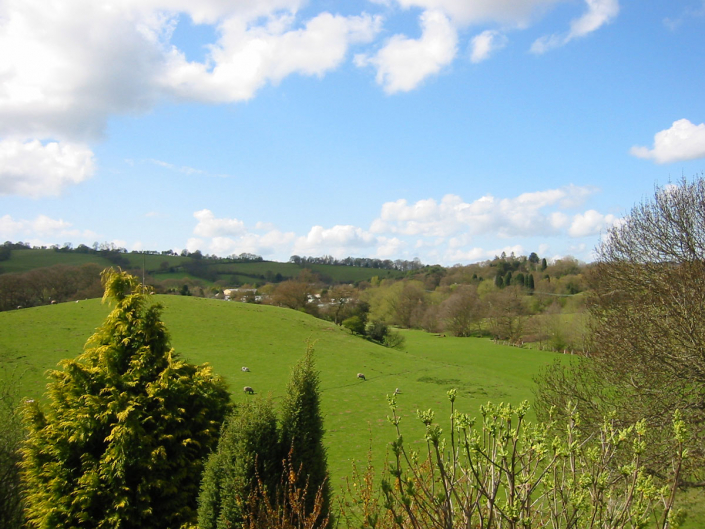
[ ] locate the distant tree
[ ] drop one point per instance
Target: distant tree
(302, 431)
(530, 281)
(499, 281)
(248, 451)
(519, 280)
(544, 264)
(292, 294)
(355, 325)
(507, 312)
(508, 279)
(462, 311)
(127, 427)
(533, 258)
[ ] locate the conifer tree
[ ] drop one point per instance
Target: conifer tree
(302, 431)
(248, 451)
(127, 427)
(530, 281)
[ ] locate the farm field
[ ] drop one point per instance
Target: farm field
(269, 340)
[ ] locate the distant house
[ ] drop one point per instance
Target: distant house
(241, 294)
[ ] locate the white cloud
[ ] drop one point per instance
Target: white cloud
(403, 63)
(484, 44)
(590, 223)
(478, 254)
(683, 141)
(599, 13)
(34, 170)
(67, 66)
(245, 58)
(464, 12)
(42, 227)
(209, 226)
(519, 216)
(339, 241)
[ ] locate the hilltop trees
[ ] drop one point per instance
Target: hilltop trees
(127, 426)
(648, 337)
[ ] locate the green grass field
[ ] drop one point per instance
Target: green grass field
(269, 340)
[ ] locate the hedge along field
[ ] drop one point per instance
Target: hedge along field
(269, 340)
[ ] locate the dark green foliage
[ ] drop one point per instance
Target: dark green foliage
(11, 515)
(544, 264)
(499, 281)
(302, 431)
(248, 450)
(355, 325)
(530, 281)
(128, 425)
(519, 279)
(508, 279)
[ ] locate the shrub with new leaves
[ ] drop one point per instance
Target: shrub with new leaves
(501, 472)
(128, 424)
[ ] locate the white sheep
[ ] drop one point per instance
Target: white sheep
(246, 369)
(397, 391)
(248, 389)
(360, 375)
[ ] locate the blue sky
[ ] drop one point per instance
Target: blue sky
(448, 130)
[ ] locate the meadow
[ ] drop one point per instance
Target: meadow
(269, 340)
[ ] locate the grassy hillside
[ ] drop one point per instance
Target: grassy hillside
(269, 340)
(172, 266)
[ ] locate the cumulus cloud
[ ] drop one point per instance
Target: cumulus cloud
(338, 241)
(482, 45)
(599, 13)
(33, 169)
(39, 228)
(479, 254)
(403, 63)
(590, 223)
(519, 216)
(683, 141)
(510, 12)
(245, 58)
(209, 226)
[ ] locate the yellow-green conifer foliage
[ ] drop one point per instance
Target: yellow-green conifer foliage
(128, 424)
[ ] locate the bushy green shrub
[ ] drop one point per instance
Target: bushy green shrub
(128, 425)
(247, 459)
(302, 432)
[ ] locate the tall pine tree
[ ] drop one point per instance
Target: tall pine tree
(248, 451)
(127, 427)
(302, 431)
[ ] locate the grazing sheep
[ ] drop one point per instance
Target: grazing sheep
(53, 302)
(248, 389)
(360, 375)
(246, 369)
(397, 391)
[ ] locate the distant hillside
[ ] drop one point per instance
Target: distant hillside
(230, 272)
(269, 340)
